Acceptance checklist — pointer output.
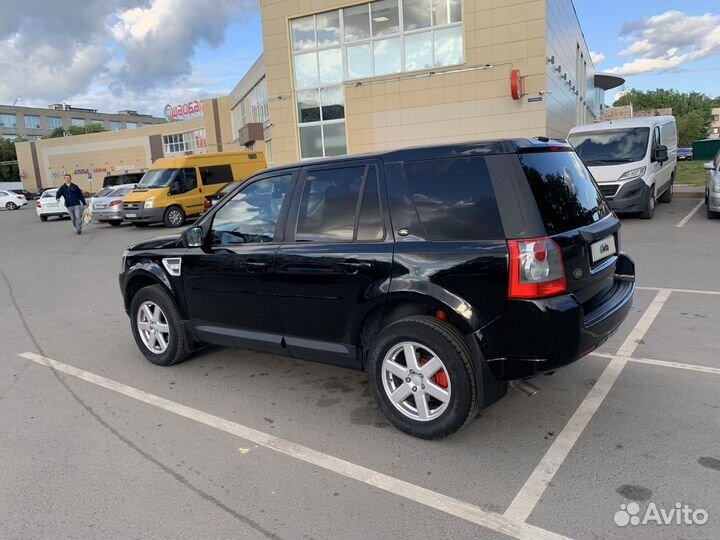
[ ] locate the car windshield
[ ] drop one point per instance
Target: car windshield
(611, 147)
(48, 194)
(120, 192)
(104, 192)
(157, 178)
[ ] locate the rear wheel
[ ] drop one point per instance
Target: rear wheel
(421, 375)
(43, 218)
(11, 206)
(667, 195)
(174, 217)
(649, 210)
(115, 222)
(711, 214)
(157, 327)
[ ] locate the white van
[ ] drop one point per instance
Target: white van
(633, 161)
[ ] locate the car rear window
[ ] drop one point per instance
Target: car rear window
(454, 199)
(565, 192)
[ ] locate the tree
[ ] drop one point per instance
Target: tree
(693, 110)
(8, 173)
(94, 127)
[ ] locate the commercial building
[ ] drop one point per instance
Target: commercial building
(342, 76)
(89, 158)
(715, 126)
(32, 123)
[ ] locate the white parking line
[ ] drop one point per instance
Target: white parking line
(692, 212)
(686, 291)
(665, 363)
(529, 495)
(412, 492)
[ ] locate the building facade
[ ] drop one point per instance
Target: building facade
(348, 77)
(89, 158)
(31, 124)
(715, 125)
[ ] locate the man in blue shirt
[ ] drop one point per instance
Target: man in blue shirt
(74, 202)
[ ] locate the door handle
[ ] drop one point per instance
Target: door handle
(353, 266)
(254, 266)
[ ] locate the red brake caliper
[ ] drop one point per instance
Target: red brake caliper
(440, 378)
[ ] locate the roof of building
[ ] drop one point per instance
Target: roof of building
(608, 81)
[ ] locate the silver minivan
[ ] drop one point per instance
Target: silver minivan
(712, 188)
(633, 160)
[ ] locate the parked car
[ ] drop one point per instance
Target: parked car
(47, 206)
(25, 193)
(685, 154)
(122, 179)
(175, 187)
(106, 205)
(39, 192)
(442, 271)
(11, 200)
(634, 161)
(712, 188)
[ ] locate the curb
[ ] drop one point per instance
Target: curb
(689, 192)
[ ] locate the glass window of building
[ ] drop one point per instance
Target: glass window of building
(32, 122)
(8, 121)
(380, 38)
(54, 122)
(11, 138)
(131, 125)
(80, 122)
(190, 141)
(115, 125)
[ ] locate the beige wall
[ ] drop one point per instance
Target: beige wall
(112, 150)
(445, 107)
(564, 109)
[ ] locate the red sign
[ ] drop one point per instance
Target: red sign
(184, 111)
(517, 84)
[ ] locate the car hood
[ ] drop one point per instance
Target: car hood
(612, 173)
(142, 194)
(162, 242)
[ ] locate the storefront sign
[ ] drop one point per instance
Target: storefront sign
(184, 111)
(80, 171)
(100, 170)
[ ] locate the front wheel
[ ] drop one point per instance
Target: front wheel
(11, 206)
(43, 218)
(115, 223)
(649, 210)
(711, 214)
(157, 326)
(422, 378)
(174, 217)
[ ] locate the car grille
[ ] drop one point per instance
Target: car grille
(608, 190)
(131, 206)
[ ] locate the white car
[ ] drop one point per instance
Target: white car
(47, 206)
(11, 200)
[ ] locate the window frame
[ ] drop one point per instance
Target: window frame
(281, 227)
(293, 216)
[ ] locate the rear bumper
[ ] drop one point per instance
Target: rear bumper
(107, 215)
(144, 215)
(631, 197)
(533, 336)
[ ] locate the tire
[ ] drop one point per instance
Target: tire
(177, 345)
(115, 223)
(649, 210)
(711, 214)
(429, 336)
(141, 225)
(174, 217)
(43, 218)
(667, 195)
(11, 206)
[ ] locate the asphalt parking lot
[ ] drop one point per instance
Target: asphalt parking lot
(96, 442)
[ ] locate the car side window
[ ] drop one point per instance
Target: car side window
(370, 221)
(219, 174)
(3, 194)
(185, 180)
(251, 216)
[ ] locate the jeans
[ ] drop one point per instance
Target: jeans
(76, 213)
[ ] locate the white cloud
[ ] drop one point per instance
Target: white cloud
(114, 54)
(667, 41)
(597, 58)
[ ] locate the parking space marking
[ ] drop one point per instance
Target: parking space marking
(686, 291)
(527, 498)
(692, 212)
(395, 486)
(665, 363)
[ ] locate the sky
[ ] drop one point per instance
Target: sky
(141, 54)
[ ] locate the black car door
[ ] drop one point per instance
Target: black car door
(229, 283)
(336, 256)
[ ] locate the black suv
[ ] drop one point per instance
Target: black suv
(443, 271)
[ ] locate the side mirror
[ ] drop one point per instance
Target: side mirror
(193, 237)
(709, 166)
(660, 153)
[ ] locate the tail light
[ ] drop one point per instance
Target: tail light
(536, 269)
(38, 205)
(207, 204)
(115, 203)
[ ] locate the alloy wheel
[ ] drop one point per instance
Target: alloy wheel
(11, 206)
(153, 327)
(416, 381)
(175, 217)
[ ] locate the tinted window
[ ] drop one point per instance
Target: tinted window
(566, 194)
(221, 174)
(370, 223)
(186, 180)
(329, 205)
(251, 216)
(454, 199)
(613, 146)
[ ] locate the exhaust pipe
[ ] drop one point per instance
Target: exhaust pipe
(525, 387)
